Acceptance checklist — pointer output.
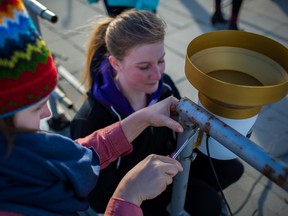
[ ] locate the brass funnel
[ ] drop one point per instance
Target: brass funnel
(237, 72)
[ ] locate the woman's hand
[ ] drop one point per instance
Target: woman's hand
(147, 179)
(161, 114)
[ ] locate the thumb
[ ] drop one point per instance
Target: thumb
(172, 124)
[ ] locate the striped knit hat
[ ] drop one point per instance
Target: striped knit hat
(27, 70)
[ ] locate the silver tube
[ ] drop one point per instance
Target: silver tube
(180, 181)
(71, 79)
(40, 10)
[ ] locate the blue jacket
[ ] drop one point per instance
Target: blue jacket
(46, 174)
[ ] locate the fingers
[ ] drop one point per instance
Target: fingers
(147, 179)
(169, 160)
(173, 125)
(173, 111)
(171, 122)
(166, 164)
(170, 105)
(164, 169)
(169, 167)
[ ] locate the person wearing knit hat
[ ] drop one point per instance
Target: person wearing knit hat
(27, 70)
(45, 173)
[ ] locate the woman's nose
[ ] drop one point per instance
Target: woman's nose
(46, 112)
(157, 73)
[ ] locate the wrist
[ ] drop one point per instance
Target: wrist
(135, 124)
(127, 195)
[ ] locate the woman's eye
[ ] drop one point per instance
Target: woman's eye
(37, 109)
(144, 68)
(148, 66)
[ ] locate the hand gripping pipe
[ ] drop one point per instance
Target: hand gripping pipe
(192, 114)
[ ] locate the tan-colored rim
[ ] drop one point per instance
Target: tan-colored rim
(240, 47)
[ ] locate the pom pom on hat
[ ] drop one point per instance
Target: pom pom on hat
(27, 70)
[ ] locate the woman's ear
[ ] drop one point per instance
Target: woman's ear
(114, 62)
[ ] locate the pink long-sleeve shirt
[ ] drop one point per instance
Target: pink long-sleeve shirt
(109, 142)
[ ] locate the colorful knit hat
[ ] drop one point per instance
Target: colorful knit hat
(27, 70)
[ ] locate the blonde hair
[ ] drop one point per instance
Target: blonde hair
(118, 35)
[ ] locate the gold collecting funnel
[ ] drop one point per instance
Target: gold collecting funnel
(236, 73)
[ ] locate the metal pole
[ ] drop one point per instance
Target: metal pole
(275, 170)
(71, 79)
(181, 180)
(192, 114)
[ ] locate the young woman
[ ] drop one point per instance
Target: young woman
(44, 173)
(125, 73)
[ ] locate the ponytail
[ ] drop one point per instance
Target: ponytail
(96, 50)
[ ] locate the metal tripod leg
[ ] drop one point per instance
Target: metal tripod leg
(58, 121)
(181, 180)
